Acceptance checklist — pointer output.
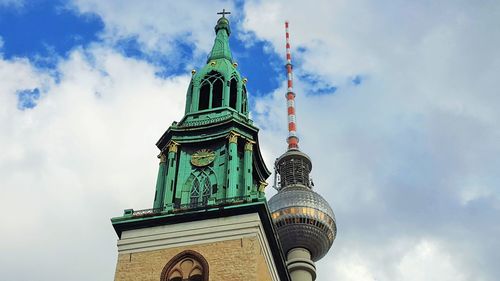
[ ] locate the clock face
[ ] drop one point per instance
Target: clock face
(202, 157)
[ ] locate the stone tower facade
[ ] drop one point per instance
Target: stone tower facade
(209, 219)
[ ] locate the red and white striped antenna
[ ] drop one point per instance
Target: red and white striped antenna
(292, 140)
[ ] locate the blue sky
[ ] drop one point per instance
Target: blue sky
(45, 31)
(396, 106)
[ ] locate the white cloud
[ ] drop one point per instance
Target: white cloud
(407, 159)
(12, 3)
(159, 27)
(427, 261)
(409, 153)
(405, 259)
(77, 159)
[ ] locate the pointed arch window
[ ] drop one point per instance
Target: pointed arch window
(186, 266)
(233, 92)
(217, 89)
(204, 96)
(211, 91)
(203, 183)
(244, 102)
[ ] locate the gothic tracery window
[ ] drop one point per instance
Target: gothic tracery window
(202, 183)
(186, 266)
(211, 91)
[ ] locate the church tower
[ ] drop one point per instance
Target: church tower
(305, 221)
(209, 219)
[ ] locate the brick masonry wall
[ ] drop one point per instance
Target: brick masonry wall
(235, 260)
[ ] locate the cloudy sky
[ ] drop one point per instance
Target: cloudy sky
(397, 105)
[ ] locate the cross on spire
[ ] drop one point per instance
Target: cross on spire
(223, 13)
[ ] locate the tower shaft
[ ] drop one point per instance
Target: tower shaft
(304, 220)
(300, 265)
(209, 219)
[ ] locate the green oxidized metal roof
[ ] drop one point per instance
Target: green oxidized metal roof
(221, 44)
(220, 58)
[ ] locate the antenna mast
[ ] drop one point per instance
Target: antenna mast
(292, 140)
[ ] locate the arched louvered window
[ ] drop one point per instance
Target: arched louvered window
(217, 93)
(244, 102)
(204, 96)
(211, 91)
(233, 92)
(204, 183)
(186, 266)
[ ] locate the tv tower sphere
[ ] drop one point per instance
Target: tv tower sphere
(303, 218)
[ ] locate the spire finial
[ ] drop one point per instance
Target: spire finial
(221, 44)
(224, 13)
(293, 140)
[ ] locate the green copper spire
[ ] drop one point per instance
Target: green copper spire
(217, 87)
(211, 157)
(221, 45)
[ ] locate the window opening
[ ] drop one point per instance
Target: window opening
(186, 266)
(245, 101)
(195, 191)
(204, 96)
(217, 93)
(211, 91)
(233, 93)
(203, 182)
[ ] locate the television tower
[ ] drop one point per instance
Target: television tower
(304, 220)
